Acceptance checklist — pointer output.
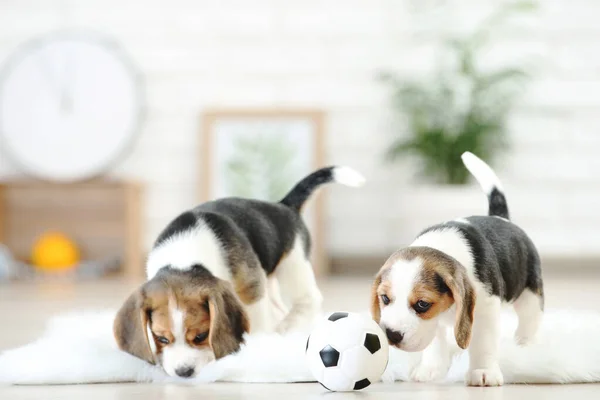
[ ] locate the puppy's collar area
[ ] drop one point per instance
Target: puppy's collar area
(196, 271)
(200, 270)
(426, 251)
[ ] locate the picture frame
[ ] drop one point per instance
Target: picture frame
(262, 154)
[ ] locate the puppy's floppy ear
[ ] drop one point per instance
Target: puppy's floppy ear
(228, 321)
(375, 306)
(464, 297)
(131, 327)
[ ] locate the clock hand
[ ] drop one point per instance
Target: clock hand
(48, 75)
(66, 96)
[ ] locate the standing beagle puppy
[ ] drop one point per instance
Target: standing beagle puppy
(457, 274)
(215, 273)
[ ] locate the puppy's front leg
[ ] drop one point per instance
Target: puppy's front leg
(435, 359)
(483, 350)
(278, 307)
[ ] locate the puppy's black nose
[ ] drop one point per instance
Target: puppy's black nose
(393, 336)
(184, 372)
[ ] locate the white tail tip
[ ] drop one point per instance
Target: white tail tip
(482, 172)
(348, 176)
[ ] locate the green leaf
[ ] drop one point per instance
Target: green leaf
(503, 76)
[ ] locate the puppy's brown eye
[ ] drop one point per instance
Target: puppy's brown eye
(200, 338)
(385, 299)
(421, 306)
(163, 339)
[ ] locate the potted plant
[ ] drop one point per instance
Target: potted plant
(463, 107)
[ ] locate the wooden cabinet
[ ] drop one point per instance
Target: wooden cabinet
(103, 217)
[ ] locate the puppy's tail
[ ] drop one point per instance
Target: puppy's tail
(489, 183)
(301, 192)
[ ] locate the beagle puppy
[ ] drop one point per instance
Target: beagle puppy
(457, 274)
(215, 273)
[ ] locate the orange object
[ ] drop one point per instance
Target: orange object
(55, 252)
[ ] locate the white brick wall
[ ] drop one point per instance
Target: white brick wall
(198, 54)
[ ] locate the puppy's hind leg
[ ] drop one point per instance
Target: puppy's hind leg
(529, 309)
(297, 282)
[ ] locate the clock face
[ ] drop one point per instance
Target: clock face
(69, 107)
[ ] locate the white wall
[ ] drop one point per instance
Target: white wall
(200, 54)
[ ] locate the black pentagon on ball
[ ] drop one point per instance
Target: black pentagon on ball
(337, 315)
(329, 356)
(363, 383)
(372, 343)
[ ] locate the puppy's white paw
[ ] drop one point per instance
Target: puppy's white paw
(298, 321)
(428, 372)
(485, 377)
(291, 324)
(284, 326)
(524, 340)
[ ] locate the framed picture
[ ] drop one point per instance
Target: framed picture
(262, 154)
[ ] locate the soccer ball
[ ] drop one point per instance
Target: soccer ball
(347, 351)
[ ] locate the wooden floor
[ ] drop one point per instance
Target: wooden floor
(24, 309)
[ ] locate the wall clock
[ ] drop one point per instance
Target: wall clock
(70, 106)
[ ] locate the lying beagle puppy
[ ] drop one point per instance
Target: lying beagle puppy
(457, 274)
(214, 274)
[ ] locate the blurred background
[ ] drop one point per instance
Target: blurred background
(115, 116)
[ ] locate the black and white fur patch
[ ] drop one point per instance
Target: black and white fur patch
(505, 259)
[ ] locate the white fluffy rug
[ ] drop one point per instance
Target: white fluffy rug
(79, 348)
